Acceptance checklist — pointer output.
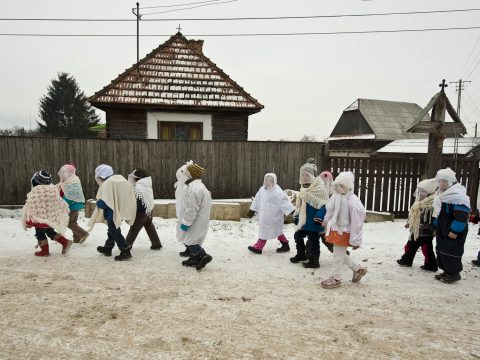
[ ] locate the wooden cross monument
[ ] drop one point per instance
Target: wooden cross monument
(437, 128)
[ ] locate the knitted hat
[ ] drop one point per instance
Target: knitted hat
(103, 171)
(447, 175)
(327, 178)
(41, 177)
(196, 171)
(310, 167)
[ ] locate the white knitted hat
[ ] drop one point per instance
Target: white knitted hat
(446, 174)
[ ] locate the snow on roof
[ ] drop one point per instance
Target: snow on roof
(176, 74)
(354, 137)
(420, 146)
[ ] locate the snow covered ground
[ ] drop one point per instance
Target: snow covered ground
(241, 306)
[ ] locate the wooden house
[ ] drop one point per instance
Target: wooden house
(176, 93)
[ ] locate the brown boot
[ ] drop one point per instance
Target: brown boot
(43, 244)
(64, 242)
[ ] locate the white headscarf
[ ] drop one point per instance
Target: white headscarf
(103, 171)
(338, 203)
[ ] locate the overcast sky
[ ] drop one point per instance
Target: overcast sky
(304, 82)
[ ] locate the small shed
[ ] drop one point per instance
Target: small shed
(176, 93)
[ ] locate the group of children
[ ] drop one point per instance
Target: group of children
(325, 208)
(51, 209)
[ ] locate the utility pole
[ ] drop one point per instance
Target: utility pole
(460, 86)
(136, 12)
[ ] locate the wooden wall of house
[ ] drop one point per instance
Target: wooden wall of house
(126, 124)
(229, 126)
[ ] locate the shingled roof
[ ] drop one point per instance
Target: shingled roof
(176, 75)
(387, 120)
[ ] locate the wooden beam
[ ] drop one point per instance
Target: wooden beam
(449, 128)
(435, 140)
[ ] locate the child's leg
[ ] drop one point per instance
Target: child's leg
(260, 244)
(313, 250)
(78, 232)
(282, 238)
(427, 250)
(137, 225)
(41, 236)
(116, 235)
(341, 258)
(411, 248)
(326, 243)
(299, 242)
(60, 239)
(152, 233)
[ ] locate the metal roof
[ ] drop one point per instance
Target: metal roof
(389, 120)
(420, 146)
(176, 74)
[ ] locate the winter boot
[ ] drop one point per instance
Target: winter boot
(450, 278)
(64, 242)
(432, 268)
(203, 260)
(403, 263)
(124, 254)
(299, 257)
(439, 276)
(357, 275)
(43, 244)
(254, 250)
(192, 261)
(476, 262)
(185, 253)
(105, 250)
(312, 263)
(156, 246)
(284, 248)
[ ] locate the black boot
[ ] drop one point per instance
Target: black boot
(429, 267)
(254, 250)
(105, 250)
(312, 263)
(156, 246)
(185, 253)
(439, 276)
(450, 278)
(299, 257)
(191, 261)
(402, 262)
(124, 254)
(203, 260)
(284, 248)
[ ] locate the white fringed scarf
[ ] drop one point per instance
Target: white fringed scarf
(316, 195)
(144, 193)
(414, 215)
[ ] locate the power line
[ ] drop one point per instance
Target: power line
(191, 7)
(250, 34)
(249, 18)
(469, 57)
(177, 5)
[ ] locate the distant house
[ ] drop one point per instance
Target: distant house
(368, 125)
(176, 93)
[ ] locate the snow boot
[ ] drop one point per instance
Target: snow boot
(156, 246)
(476, 262)
(43, 244)
(203, 260)
(284, 248)
(432, 268)
(185, 253)
(450, 278)
(403, 263)
(312, 264)
(299, 257)
(254, 250)
(64, 242)
(192, 261)
(105, 250)
(124, 254)
(439, 276)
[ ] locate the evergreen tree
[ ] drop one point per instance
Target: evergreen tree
(64, 110)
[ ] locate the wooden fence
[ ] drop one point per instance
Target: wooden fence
(388, 184)
(234, 169)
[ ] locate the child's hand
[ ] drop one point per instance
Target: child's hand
(355, 247)
(184, 227)
(318, 221)
(452, 235)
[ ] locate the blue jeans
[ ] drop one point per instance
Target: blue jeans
(115, 236)
(42, 233)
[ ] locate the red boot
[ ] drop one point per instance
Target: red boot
(65, 243)
(43, 244)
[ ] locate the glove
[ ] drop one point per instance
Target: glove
(184, 227)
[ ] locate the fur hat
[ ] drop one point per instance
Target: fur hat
(447, 175)
(196, 171)
(41, 177)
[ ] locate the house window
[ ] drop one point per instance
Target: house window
(180, 130)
